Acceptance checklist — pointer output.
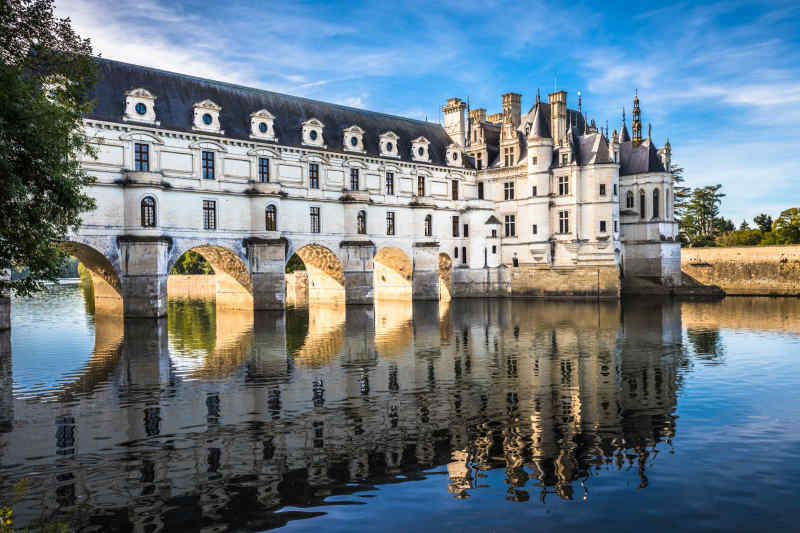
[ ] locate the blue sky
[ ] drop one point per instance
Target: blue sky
(720, 79)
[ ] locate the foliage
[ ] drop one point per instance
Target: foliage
(192, 263)
(744, 225)
(741, 237)
(701, 222)
(787, 227)
(764, 222)
(192, 326)
(45, 76)
(295, 263)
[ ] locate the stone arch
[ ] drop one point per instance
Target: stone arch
(106, 283)
(233, 284)
(326, 283)
(445, 271)
(392, 274)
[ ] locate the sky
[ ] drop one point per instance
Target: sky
(721, 80)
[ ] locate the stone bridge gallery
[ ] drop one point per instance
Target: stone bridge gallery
(537, 204)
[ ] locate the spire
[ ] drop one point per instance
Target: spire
(636, 124)
(668, 147)
(539, 127)
(538, 96)
(623, 133)
(649, 132)
(580, 110)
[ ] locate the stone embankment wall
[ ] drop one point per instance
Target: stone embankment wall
(746, 270)
(197, 287)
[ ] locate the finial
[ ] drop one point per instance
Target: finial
(579, 101)
(623, 114)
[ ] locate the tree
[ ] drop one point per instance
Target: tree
(681, 195)
(744, 225)
(787, 227)
(702, 221)
(192, 263)
(764, 222)
(45, 77)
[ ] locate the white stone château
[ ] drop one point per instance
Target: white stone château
(540, 204)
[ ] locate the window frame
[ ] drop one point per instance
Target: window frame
(354, 180)
(263, 170)
(271, 218)
(361, 222)
(389, 184)
(208, 165)
(313, 175)
(209, 214)
(454, 189)
(148, 216)
(508, 190)
(563, 222)
(390, 223)
(456, 225)
(510, 225)
(428, 229)
(315, 219)
(420, 185)
(563, 185)
(141, 157)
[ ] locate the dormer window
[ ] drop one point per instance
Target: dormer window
(312, 133)
(419, 149)
(206, 117)
(454, 156)
(388, 144)
(262, 125)
(354, 139)
(140, 106)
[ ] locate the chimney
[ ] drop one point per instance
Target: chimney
(454, 123)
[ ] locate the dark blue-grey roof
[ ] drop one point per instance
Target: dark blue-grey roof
(639, 159)
(177, 93)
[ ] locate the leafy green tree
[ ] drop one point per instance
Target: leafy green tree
(764, 222)
(294, 263)
(681, 195)
(192, 263)
(744, 225)
(787, 227)
(701, 221)
(741, 237)
(45, 76)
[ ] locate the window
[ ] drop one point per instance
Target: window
(390, 223)
(535, 229)
(353, 179)
(313, 175)
(207, 120)
(315, 220)
(641, 204)
(390, 183)
(563, 185)
(656, 203)
(615, 189)
(563, 221)
(148, 212)
(508, 190)
(511, 223)
(455, 252)
(534, 160)
(272, 218)
(262, 127)
(209, 214)
(420, 185)
(208, 165)
(455, 226)
(361, 222)
(494, 249)
(141, 157)
(466, 230)
(480, 190)
(564, 159)
(533, 191)
(464, 255)
(494, 233)
(454, 189)
(312, 135)
(353, 141)
(615, 227)
(428, 225)
(263, 169)
(508, 156)
(602, 226)
(141, 108)
(602, 189)
(629, 200)
(480, 161)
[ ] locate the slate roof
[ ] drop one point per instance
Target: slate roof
(177, 93)
(639, 159)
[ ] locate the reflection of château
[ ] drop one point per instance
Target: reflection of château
(187, 436)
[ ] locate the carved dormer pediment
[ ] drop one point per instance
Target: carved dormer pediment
(140, 106)
(262, 125)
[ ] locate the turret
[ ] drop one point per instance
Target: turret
(636, 124)
(540, 144)
(454, 123)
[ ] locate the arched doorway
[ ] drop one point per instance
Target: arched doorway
(314, 275)
(392, 274)
(445, 271)
(221, 274)
(106, 285)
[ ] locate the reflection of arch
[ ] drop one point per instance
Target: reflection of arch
(234, 287)
(392, 274)
(325, 273)
(393, 327)
(105, 279)
(445, 269)
(325, 337)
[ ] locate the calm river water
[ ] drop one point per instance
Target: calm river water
(486, 415)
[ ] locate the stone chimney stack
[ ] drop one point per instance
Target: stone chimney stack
(478, 115)
(558, 115)
(511, 116)
(454, 123)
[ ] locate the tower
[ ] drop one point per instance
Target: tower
(454, 123)
(636, 124)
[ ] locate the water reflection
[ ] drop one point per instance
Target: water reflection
(218, 419)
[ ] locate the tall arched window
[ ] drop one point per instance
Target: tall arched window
(420, 185)
(629, 200)
(642, 203)
(272, 218)
(656, 201)
(362, 222)
(428, 225)
(148, 212)
(668, 199)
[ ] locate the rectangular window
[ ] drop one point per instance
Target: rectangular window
(564, 159)
(141, 157)
(464, 255)
(615, 189)
(455, 252)
(455, 226)
(534, 160)
(508, 190)
(466, 230)
(454, 188)
(602, 189)
(480, 161)
(390, 183)
(315, 220)
(353, 179)
(313, 175)
(602, 226)
(208, 165)
(535, 229)
(494, 249)
(511, 225)
(533, 191)
(209, 214)
(615, 227)
(563, 221)
(563, 185)
(390, 223)
(263, 170)
(494, 233)
(420, 185)
(480, 190)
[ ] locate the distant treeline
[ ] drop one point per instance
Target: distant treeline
(68, 269)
